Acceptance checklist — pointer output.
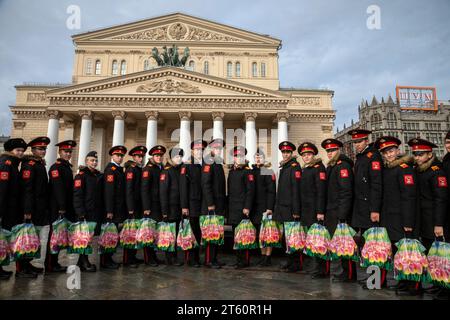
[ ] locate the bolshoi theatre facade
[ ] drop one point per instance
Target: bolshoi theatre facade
(119, 94)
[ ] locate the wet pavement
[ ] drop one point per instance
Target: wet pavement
(172, 282)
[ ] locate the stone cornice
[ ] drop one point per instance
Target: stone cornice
(29, 114)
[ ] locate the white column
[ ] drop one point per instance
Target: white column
(218, 125)
(250, 135)
(282, 118)
(68, 130)
(119, 128)
(52, 133)
(152, 130)
(99, 142)
(185, 133)
(85, 135)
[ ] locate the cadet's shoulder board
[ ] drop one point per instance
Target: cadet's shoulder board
(207, 168)
(8, 162)
(369, 154)
(26, 174)
(344, 173)
(31, 162)
(323, 175)
(376, 165)
(150, 165)
(317, 165)
(55, 174)
(162, 177)
(166, 167)
(113, 168)
(404, 165)
(58, 162)
(339, 162)
(110, 178)
(250, 177)
(77, 183)
(81, 173)
(298, 174)
(183, 170)
(408, 179)
(442, 182)
(129, 175)
(145, 174)
(435, 168)
(4, 175)
(294, 164)
(248, 168)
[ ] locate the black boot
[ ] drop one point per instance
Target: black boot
(408, 288)
(151, 259)
(168, 256)
(293, 264)
(84, 264)
(129, 259)
(262, 260)
(22, 271)
(215, 264)
(196, 261)
(52, 265)
(267, 261)
(175, 260)
(323, 269)
(240, 260)
(107, 262)
(349, 272)
(5, 275)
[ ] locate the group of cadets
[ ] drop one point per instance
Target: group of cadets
(406, 194)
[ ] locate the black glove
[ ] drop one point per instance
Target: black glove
(211, 212)
(165, 218)
(342, 220)
(408, 234)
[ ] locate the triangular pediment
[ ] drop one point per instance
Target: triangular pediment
(175, 28)
(165, 81)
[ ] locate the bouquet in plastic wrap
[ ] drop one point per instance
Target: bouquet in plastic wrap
(109, 238)
(59, 239)
(439, 264)
(166, 239)
(146, 234)
(128, 234)
(377, 249)
(25, 241)
(5, 251)
(80, 237)
(317, 242)
(295, 235)
(186, 239)
(245, 236)
(270, 233)
(342, 245)
(410, 261)
(212, 227)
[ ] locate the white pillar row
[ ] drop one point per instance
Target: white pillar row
(218, 124)
(282, 118)
(119, 128)
(152, 131)
(250, 135)
(52, 133)
(185, 133)
(68, 129)
(99, 141)
(85, 135)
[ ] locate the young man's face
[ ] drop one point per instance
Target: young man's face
(447, 144)
(259, 159)
(422, 157)
(18, 152)
(390, 154)
(331, 153)
(157, 158)
(91, 162)
(138, 159)
(360, 145)
(117, 158)
(177, 159)
(287, 155)
(307, 157)
(39, 152)
(65, 154)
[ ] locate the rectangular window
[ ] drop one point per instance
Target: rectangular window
(263, 69)
(88, 66)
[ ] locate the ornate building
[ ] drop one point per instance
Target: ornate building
(119, 94)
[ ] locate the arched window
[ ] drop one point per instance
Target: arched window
(123, 67)
(229, 69)
(237, 69)
(375, 121)
(254, 69)
(146, 64)
(263, 69)
(98, 67)
(114, 68)
(392, 120)
(206, 67)
(192, 65)
(88, 66)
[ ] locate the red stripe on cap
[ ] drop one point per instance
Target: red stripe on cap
(216, 145)
(138, 152)
(307, 149)
(65, 146)
(197, 145)
(359, 136)
(388, 144)
(39, 144)
(421, 147)
(331, 146)
(287, 148)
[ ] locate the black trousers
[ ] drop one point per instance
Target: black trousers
(195, 225)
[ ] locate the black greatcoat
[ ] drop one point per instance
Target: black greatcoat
(241, 192)
(61, 190)
(88, 195)
(191, 187)
(446, 167)
(368, 187)
(133, 175)
(313, 191)
(340, 191)
(265, 191)
(114, 192)
(9, 190)
(169, 191)
(399, 197)
(288, 194)
(34, 190)
(213, 186)
(150, 189)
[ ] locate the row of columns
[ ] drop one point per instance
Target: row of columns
(152, 131)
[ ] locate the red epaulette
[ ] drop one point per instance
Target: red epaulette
(435, 168)
(339, 162)
(113, 168)
(369, 154)
(404, 165)
(317, 165)
(294, 164)
(31, 162)
(8, 162)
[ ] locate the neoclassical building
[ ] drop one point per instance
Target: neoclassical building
(119, 95)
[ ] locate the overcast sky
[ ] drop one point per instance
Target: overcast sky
(326, 44)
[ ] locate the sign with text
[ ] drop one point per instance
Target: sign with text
(417, 98)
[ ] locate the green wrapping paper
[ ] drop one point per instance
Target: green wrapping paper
(270, 233)
(59, 239)
(245, 236)
(377, 249)
(212, 227)
(166, 239)
(146, 234)
(295, 235)
(80, 237)
(109, 238)
(438, 271)
(128, 234)
(410, 262)
(186, 239)
(5, 251)
(25, 241)
(342, 245)
(317, 242)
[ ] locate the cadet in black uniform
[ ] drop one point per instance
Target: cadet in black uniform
(241, 193)
(61, 197)
(10, 187)
(398, 211)
(313, 196)
(368, 189)
(288, 206)
(151, 203)
(169, 192)
(339, 198)
(35, 199)
(213, 193)
(114, 196)
(133, 174)
(88, 200)
(265, 194)
(191, 193)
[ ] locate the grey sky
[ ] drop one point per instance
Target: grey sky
(325, 43)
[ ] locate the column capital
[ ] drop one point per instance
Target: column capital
(53, 114)
(19, 124)
(86, 114)
(185, 115)
(119, 115)
(250, 116)
(152, 115)
(217, 115)
(282, 116)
